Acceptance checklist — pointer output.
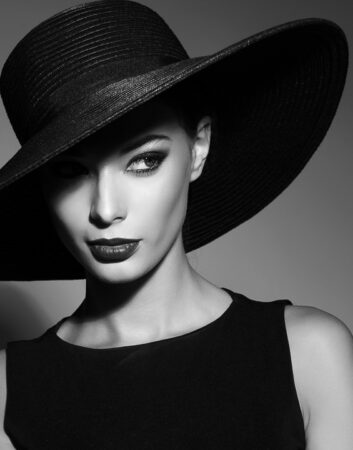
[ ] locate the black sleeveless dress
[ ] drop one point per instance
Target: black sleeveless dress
(227, 385)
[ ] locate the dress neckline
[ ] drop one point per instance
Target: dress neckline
(236, 299)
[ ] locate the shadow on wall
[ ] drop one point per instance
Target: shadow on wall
(20, 315)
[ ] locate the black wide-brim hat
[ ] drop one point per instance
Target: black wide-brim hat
(275, 95)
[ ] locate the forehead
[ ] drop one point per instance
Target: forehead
(147, 122)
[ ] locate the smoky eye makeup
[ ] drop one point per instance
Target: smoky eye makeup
(152, 160)
(144, 163)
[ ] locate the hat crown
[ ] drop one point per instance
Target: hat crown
(80, 49)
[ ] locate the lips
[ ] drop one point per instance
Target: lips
(115, 253)
(115, 241)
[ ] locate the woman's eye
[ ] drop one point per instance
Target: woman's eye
(151, 160)
(67, 169)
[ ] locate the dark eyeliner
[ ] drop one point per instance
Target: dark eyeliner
(156, 156)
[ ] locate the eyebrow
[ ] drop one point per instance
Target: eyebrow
(139, 142)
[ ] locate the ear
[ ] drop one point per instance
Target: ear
(200, 147)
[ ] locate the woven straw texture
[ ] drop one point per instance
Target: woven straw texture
(275, 95)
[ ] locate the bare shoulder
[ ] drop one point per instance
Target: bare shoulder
(295, 317)
(321, 347)
(5, 443)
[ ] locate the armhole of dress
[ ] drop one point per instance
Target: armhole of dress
(8, 350)
(283, 304)
(6, 382)
(4, 387)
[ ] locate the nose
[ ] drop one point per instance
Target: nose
(107, 199)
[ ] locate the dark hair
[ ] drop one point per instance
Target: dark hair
(191, 102)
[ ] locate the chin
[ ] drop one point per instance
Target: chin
(112, 273)
(128, 270)
(115, 271)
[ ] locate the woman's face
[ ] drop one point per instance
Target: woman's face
(103, 188)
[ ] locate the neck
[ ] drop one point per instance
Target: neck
(149, 305)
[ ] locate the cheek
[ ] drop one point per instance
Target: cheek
(66, 212)
(163, 204)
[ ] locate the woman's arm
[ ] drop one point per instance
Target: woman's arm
(5, 443)
(327, 349)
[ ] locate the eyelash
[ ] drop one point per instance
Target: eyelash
(156, 157)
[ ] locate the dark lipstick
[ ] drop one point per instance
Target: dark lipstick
(117, 249)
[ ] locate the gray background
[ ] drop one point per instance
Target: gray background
(299, 247)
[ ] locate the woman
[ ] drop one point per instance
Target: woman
(131, 139)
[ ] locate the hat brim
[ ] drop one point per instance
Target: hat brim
(276, 92)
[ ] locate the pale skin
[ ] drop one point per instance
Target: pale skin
(156, 293)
